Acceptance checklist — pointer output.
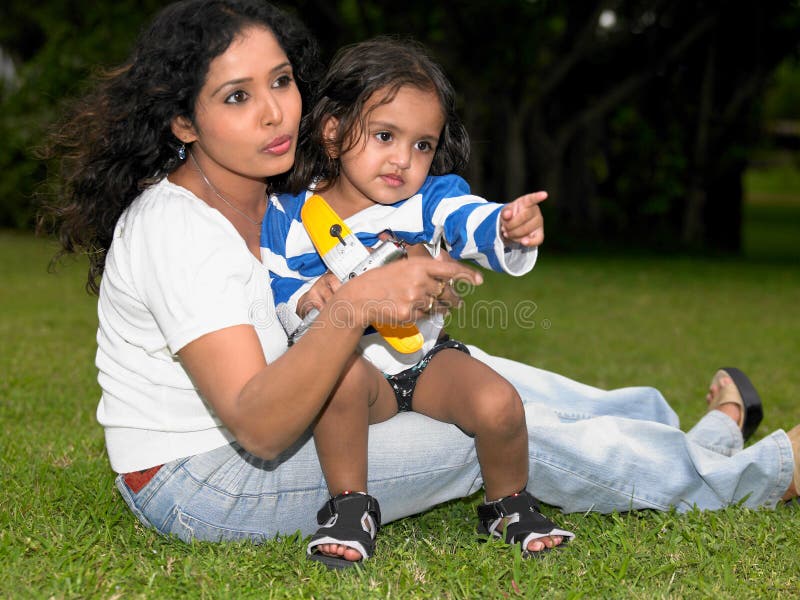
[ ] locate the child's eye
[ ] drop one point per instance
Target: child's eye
(283, 81)
(424, 146)
(383, 136)
(236, 97)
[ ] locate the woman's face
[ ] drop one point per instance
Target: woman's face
(247, 113)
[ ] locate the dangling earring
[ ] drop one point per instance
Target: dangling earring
(182, 152)
(332, 156)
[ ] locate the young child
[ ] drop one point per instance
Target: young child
(379, 145)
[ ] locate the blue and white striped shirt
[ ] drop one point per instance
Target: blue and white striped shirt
(442, 211)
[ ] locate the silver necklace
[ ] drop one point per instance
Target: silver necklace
(220, 196)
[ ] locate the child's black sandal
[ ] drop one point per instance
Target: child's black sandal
(350, 519)
(517, 519)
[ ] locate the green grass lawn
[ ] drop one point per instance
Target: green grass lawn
(607, 321)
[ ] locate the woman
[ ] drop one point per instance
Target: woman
(166, 166)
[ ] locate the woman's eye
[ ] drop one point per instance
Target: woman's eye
(283, 81)
(236, 97)
(384, 136)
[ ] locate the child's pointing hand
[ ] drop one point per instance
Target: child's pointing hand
(521, 220)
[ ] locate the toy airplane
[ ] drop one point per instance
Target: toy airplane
(346, 257)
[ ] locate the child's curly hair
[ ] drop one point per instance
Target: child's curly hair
(117, 139)
(381, 65)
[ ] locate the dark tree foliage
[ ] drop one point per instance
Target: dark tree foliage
(638, 116)
(54, 45)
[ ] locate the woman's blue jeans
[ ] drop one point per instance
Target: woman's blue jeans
(590, 450)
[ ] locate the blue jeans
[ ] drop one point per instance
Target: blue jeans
(589, 450)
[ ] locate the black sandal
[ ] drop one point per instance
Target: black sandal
(524, 523)
(350, 519)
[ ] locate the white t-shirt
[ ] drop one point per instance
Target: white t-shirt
(176, 270)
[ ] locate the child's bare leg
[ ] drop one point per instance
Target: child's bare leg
(361, 397)
(458, 389)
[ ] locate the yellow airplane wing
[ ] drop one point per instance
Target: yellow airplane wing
(343, 253)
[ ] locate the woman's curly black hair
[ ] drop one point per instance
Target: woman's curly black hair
(381, 65)
(117, 139)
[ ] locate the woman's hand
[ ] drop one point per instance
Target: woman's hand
(268, 407)
(449, 298)
(402, 291)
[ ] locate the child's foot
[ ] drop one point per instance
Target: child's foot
(349, 523)
(535, 545)
(517, 520)
(339, 551)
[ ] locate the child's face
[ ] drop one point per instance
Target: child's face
(392, 157)
(248, 111)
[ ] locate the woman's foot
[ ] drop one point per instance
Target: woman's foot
(715, 401)
(732, 393)
(794, 487)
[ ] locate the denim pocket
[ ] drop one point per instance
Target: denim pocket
(188, 527)
(130, 499)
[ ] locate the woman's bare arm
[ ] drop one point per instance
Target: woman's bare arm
(268, 406)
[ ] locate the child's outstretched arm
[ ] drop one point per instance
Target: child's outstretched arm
(521, 221)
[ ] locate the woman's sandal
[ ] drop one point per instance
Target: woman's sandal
(743, 394)
(350, 519)
(517, 519)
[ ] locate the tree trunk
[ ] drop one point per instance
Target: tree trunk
(693, 232)
(725, 199)
(516, 163)
(545, 164)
